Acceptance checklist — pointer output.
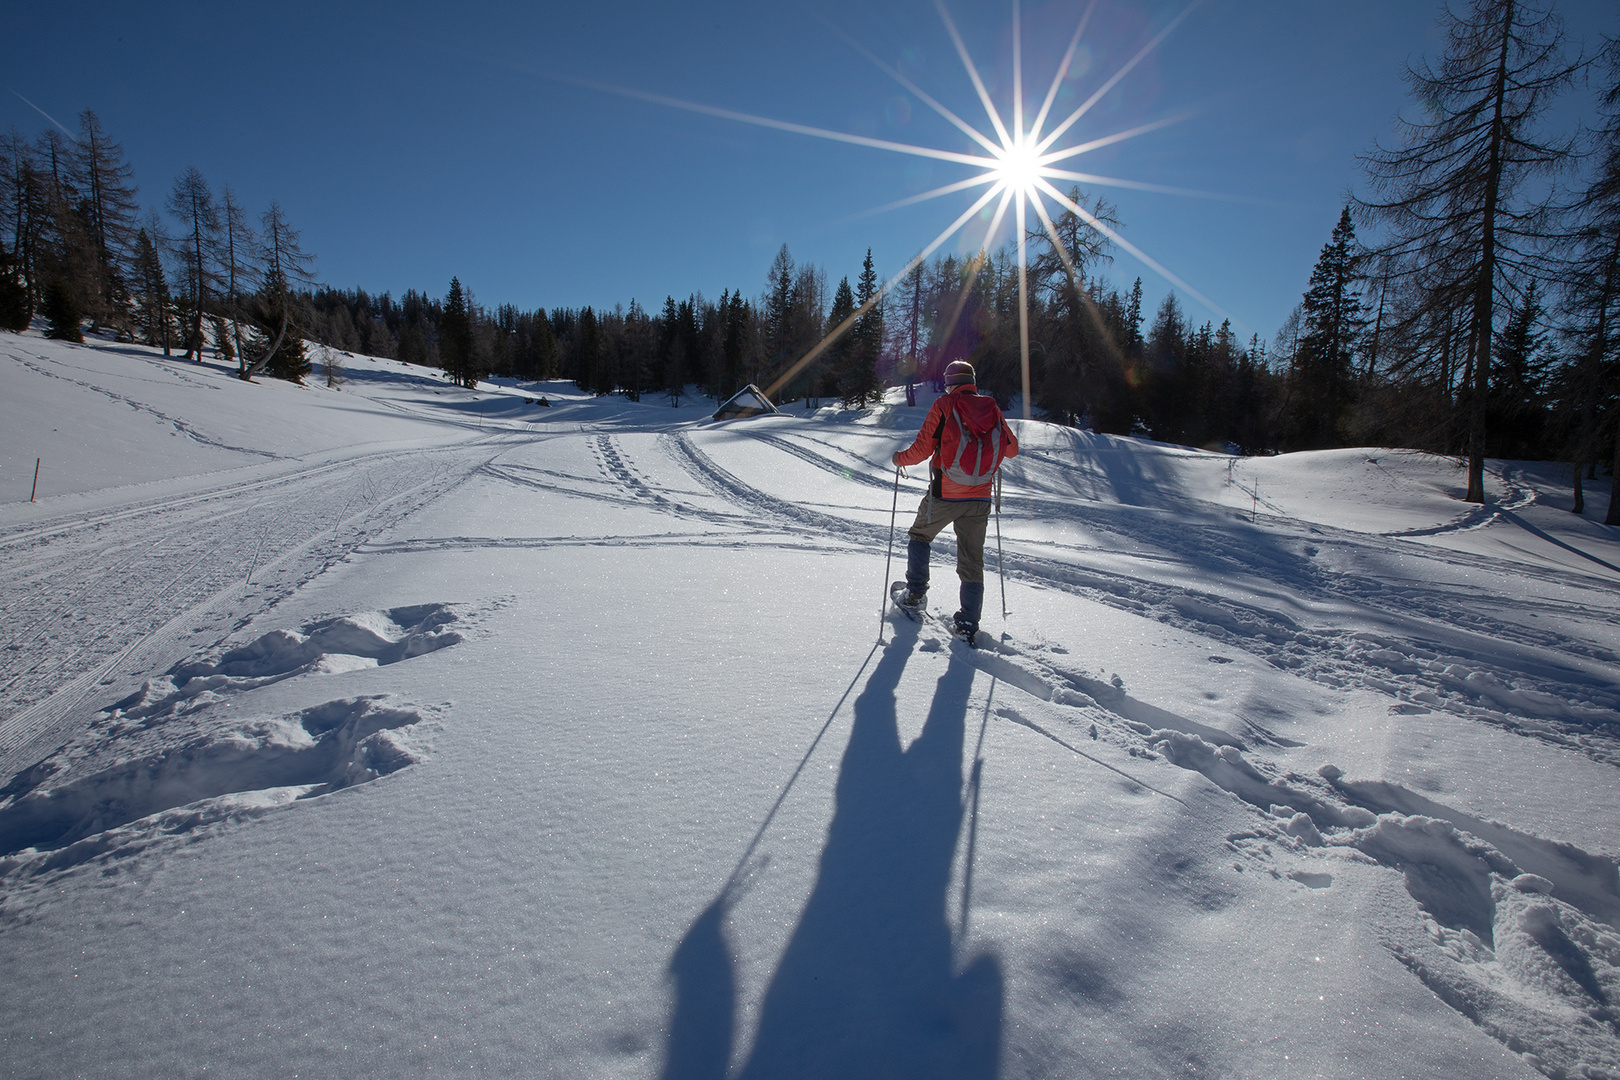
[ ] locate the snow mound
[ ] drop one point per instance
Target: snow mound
(328, 646)
(178, 743)
(382, 637)
(92, 786)
(1548, 988)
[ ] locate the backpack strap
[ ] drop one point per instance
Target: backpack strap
(944, 414)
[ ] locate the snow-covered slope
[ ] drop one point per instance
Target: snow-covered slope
(397, 729)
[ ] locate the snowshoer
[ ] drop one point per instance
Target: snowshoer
(966, 437)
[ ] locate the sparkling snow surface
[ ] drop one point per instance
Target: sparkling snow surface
(397, 730)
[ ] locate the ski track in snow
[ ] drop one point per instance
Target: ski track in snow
(110, 597)
(178, 424)
(1537, 683)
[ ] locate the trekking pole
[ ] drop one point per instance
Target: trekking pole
(1001, 570)
(888, 560)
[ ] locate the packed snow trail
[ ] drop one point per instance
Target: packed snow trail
(1304, 597)
(107, 599)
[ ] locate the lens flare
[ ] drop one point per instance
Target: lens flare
(1018, 164)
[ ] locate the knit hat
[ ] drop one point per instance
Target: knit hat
(959, 372)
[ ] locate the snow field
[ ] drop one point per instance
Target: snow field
(1329, 793)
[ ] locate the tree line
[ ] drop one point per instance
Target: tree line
(75, 246)
(690, 345)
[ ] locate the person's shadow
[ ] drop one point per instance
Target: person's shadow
(868, 984)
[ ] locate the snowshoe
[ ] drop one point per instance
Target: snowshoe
(913, 605)
(962, 631)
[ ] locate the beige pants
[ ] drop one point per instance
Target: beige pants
(971, 519)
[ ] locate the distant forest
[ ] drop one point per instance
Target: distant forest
(1475, 315)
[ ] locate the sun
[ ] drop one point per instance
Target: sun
(1016, 165)
(1019, 168)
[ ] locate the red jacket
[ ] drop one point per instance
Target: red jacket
(981, 411)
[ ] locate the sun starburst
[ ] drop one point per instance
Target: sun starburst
(1017, 167)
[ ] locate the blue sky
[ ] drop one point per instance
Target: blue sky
(412, 142)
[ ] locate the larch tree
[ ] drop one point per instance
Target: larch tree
(235, 264)
(64, 251)
(18, 206)
(191, 204)
(1078, 348)
(1458, 194)
(110, 211)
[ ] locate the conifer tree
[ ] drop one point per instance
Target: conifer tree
(778, 311)
(671, 347)
(911, 303)
(1322, 379)
(1170, 389)
(224, 347)
(733, 343)
(61, 311)
(640, 345)
(456, 337)
(863, 387)
(686, 355)
(1518, 384)
(1133, 321)
(588, 356)
(545, 347)
(283, 262)
(839, 364)
(151, 290)
(284, 357)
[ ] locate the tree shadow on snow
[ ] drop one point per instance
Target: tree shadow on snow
(868, 984)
